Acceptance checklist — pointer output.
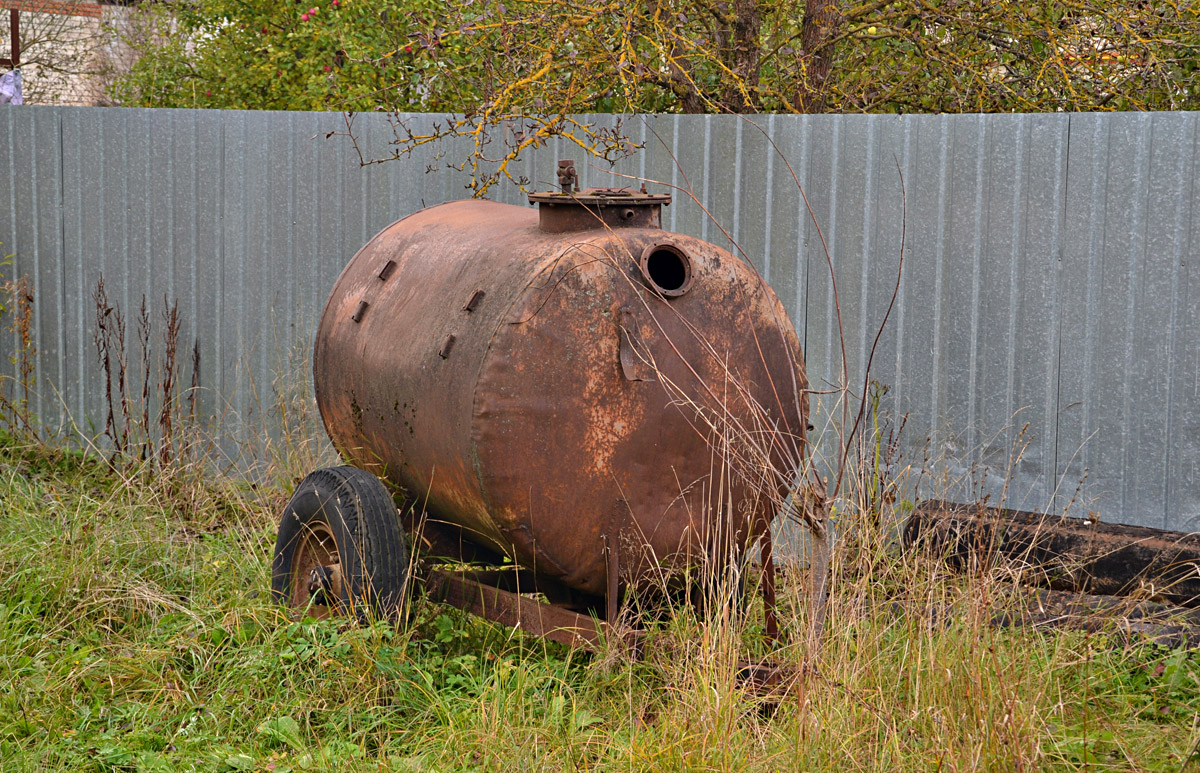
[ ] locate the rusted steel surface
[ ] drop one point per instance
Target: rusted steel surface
(541, 392)
(770, 610)
(769, 681)
(604, 207)
(1069, 554)
(516, 611)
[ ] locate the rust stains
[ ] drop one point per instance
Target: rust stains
(548, 373)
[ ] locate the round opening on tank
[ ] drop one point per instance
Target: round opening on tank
(667, 268)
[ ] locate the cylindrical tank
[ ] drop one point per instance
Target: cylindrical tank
(561, 382)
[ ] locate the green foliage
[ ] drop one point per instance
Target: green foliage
(980, 56)
(561, 57)
(257, 54)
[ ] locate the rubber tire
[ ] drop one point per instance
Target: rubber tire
(360, 514)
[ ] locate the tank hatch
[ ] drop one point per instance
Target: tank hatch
(579, 210)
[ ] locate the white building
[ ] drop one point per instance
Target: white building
(69, 49)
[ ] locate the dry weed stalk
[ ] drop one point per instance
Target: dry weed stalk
(102, 335)
(143, 336)
(167, 399)
(134, 437)
(17, 410)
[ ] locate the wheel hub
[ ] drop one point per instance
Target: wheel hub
(316, 572)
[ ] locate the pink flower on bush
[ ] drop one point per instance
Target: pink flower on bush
(303, 17)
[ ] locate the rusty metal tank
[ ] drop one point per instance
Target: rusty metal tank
(558, 381)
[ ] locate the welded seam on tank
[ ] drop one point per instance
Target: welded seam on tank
(504, 319)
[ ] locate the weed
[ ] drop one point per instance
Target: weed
(16, 300)
(137, 437)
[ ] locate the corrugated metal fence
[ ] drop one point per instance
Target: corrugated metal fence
(1049, 304)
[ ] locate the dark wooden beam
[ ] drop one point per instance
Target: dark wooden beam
(14, 26)
(1070, 554)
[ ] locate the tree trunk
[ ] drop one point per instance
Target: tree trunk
(821, 20)
(1069, 554)
(746, 53)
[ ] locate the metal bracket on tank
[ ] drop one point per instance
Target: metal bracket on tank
(636, 364)
(573, 209)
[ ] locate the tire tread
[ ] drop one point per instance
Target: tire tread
(375, 568)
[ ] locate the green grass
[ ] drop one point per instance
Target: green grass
(137, 633)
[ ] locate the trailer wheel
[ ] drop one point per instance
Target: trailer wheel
(340, 548)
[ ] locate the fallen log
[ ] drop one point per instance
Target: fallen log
(1068, 554)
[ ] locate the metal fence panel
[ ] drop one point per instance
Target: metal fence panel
(1042, 344)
